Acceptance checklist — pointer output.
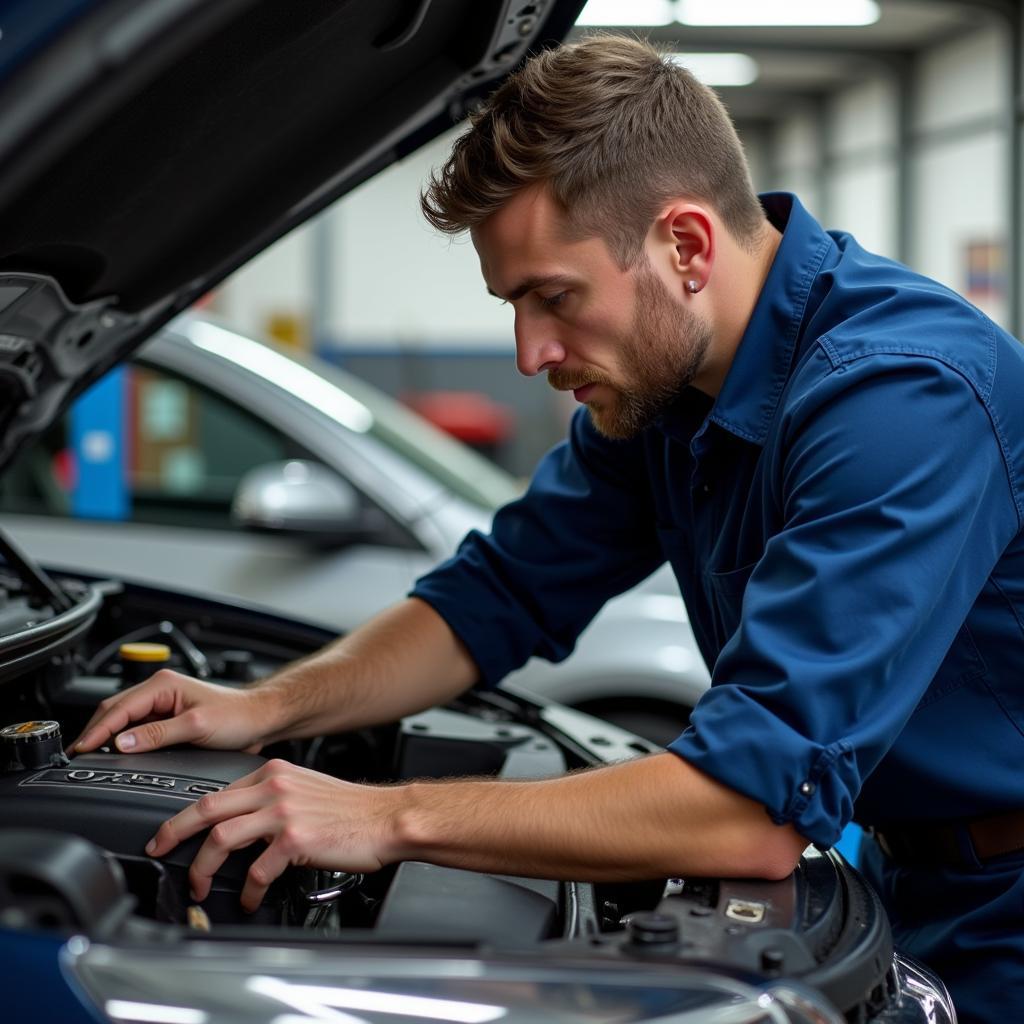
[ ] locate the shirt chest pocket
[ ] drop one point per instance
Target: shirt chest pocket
(725, 591)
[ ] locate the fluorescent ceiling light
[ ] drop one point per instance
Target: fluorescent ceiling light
(627, 12)
(718, 68)
(777, 12)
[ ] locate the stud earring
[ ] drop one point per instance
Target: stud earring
(693, 286)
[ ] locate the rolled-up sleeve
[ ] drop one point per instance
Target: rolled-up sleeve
(896, 504)
(582, 533)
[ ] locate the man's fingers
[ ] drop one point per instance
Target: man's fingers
(224, 837)
(206, 812)
(92, 735)
(236, 816)
(89, 726)
(267, 804)
(263, 870)
(107, 722)
(115, 713)
(188, 727)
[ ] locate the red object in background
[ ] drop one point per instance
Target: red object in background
(470, 416)
(65, 470)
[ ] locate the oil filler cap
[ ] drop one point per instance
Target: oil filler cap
(139, 661)
(31, 745)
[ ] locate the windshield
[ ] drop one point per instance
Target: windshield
(360, 406)
(454, 464)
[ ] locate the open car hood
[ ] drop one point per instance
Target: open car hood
(149, 149)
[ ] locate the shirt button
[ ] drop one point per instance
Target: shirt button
(807, 788)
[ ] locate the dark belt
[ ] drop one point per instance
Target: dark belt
(952, 845)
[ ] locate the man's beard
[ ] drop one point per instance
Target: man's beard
(662, 354)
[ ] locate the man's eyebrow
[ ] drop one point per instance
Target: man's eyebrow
(529, 284)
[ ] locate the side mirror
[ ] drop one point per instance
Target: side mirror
(300, 497)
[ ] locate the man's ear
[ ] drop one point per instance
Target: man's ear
(685, 237)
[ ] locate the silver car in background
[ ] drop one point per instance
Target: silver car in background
(291, 485)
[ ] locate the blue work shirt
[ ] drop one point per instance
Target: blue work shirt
(844, 521)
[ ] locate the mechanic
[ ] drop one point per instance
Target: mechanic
(827, 448)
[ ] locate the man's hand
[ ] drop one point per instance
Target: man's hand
(403, 660)
(304, 816)
(177, 709)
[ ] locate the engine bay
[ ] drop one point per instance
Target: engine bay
(73, 830)
(116, 802)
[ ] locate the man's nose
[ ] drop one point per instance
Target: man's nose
(537, 346)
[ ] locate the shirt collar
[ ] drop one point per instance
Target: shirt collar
(753, 386)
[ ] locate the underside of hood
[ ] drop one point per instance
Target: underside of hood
(148, 149)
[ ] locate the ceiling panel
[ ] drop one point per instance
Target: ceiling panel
(800, 63)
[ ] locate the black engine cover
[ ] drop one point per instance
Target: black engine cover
(118, 801)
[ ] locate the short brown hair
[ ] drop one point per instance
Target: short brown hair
(615, 130)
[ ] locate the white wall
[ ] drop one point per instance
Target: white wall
(962, 81)
(278, 281)
(850, 183)
(862, 121)
(796, 158)
(757, 149)
(862, 200)
(861, 186)
(400, 282)
(396, 281)
(959, 199)
(959, 166)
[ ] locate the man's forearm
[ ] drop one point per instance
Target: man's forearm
(650, 818)
(403, 660)
(656, 817)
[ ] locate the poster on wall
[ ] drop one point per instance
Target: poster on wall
(984, 262)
